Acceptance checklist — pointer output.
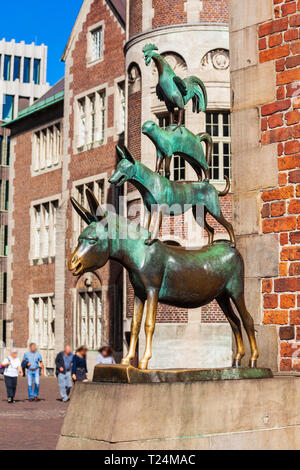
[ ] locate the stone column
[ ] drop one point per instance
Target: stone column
(254, 167)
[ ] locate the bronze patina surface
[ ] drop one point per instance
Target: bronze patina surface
(157, 272)
(131, 375)
(173, 90)
(171, 197)
(182, 142)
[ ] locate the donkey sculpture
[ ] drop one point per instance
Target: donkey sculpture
(162, 273)
(170, 197)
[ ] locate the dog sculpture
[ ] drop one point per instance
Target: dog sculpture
(170, 197)
(161, 273)
(182, 142)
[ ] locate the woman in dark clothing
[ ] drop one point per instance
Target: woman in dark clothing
(79, 367)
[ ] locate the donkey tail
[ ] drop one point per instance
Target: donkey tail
(205, 137)
(227, 189)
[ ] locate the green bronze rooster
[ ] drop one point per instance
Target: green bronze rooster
(173, 90)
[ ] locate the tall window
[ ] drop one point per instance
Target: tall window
(3, 240)
(17, 67)
(178, 168)
(36, 71)
(218, 126)
(26, 71)
(121, 88)
(42, 322)
(8, 107)
(7, 67)
(44, 230)
(88, 324)
(3, 288)
(97, 44)
(4, 195)
(91, 120)
(97, 187)
(47, 148)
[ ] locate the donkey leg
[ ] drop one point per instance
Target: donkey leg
(147, 218)
(156, 229)
(135, 330)
(152, 300)
(248, 323)
(224, 302)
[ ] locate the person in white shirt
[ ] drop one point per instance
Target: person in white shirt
(106, 356)
(12, 365)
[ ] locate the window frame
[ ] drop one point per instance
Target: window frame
(38, 255)
(82, 123)
(78, 337)
(90, 59)
(41, 139)
(221, 141)
(42, 340)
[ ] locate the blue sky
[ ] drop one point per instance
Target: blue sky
(41, 22)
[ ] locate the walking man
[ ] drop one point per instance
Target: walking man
(34, 363)
(63, 364)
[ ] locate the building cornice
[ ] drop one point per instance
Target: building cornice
(173, 29)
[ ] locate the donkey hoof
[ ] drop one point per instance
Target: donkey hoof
(236, 364)
(253, 363)
(143, 365)
(125, 361)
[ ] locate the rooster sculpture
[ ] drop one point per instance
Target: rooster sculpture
(173, 90)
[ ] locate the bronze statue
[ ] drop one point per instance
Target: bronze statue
(173, 90)
(156, 273)
(170, 197)
(183, 143)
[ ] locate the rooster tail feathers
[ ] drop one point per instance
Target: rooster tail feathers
(197, 92)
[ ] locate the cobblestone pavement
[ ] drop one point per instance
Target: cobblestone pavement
(31, 426)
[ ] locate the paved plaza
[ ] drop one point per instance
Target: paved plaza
(31, 426)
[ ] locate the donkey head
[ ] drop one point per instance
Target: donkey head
(126, 168)
(92, 251)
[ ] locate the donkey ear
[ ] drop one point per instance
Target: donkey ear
(129, 156)
(120, 153)
(84, 214)
(95, 207)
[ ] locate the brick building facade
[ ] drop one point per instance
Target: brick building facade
(194, 38)
(92, 309)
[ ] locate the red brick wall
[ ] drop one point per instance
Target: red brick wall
(215, 11)
(168, 12)
(280, 122)
(101, 159)
(39, 279)
(135, 17)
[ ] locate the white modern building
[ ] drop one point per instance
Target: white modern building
(23, 76)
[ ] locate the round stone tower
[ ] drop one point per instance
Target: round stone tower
(193, 36)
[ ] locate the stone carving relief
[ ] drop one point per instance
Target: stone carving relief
(217, 59)
(134, 78)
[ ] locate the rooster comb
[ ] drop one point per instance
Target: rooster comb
(150, 48)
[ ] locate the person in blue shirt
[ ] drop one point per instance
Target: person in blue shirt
(34, 363)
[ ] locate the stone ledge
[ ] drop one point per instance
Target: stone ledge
(243, 414)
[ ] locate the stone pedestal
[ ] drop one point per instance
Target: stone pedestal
(242, 414)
